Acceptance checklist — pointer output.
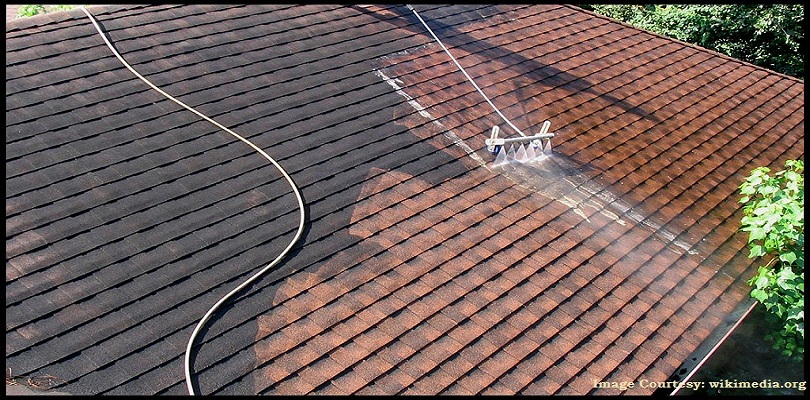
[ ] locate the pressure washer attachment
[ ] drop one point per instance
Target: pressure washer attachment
(531, 147)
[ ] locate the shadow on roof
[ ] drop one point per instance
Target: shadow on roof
(537, 71)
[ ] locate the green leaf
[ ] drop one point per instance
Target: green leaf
(764, 208)
(756, 234)
(797, 315)
(756, 251)
(788, 258)
(759, 295)
(762, 282)
(767, 190)
(786, 274)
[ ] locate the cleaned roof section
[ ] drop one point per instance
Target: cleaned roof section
(423, 270)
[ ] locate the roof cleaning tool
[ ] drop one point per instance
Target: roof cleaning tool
(494, 143)
(531, 147)
(295, 190)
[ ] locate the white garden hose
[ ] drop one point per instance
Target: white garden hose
(260, 151)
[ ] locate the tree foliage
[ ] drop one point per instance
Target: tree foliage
(767, 35)
(29, 10)
(773, 216)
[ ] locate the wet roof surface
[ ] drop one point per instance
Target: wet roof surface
(424, 269)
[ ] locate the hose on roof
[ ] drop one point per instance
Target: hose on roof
(465, 72)
(295, 190)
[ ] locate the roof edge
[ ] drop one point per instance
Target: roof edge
(706, 349)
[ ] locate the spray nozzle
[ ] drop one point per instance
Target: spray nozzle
(495, 143)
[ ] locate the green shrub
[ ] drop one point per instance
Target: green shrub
(768, 35)
(774, 219)
(29, 10)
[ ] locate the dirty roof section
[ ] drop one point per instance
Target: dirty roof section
(423, 269)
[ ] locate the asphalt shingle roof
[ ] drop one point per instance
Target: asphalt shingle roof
(424, 269)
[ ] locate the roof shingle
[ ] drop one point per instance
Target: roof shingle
(423, 269)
